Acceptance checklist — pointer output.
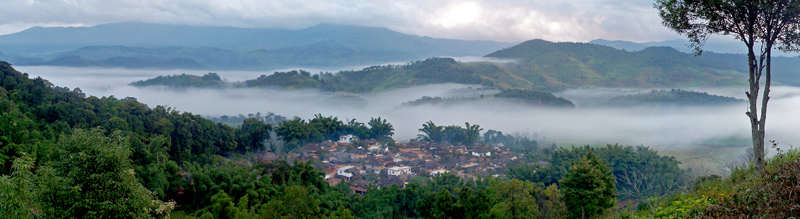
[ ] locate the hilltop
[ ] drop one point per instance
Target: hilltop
(549, 64)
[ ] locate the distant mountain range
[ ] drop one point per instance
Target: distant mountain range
(176, 46)
(539, 65)
(536, 64)
(681, 45)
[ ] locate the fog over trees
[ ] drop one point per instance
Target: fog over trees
(535, 130)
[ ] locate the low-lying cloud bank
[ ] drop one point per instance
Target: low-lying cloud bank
(666, 127)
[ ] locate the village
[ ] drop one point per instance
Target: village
(366, 163)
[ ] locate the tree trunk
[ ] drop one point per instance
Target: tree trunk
(752, 97)
(759, 153)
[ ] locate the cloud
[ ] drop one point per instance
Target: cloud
(501, 20)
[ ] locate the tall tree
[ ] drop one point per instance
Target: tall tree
(589, 187)
(297, 132)
(769, 23)
(91, 176)
(471, 133)
(453, 134)
(432, 132)
(356, 128)
(516, 199)
(18, 190)
(253, 134)
(381, 130)
(330, 127)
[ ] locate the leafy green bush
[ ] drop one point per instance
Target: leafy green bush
(773, 194)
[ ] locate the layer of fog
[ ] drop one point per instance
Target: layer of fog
(668, 127)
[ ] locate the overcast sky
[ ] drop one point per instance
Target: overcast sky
(500, 20)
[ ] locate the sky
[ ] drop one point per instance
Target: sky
(498, 20)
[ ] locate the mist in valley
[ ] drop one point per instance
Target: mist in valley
(664, 128)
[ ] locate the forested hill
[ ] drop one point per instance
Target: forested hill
(84, 169)
(210, 80)
(552, 64)
(34, 111)
(674, 97)
(525, 97)
(429, 71)
(374, 78)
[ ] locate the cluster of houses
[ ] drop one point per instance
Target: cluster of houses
(369, 163)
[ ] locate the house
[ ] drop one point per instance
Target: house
(434, 147)
(404, 149)
(328, 166)
(311, 148)
(305, 157)
(347, 139)
(391, 180)
(372, 142)
(374, 149)
(359, 187)
(439, 171)
(430, 165)
(543, 164)
(481, 153)
(387, 160)
(409, 156)
(341, 157)
(414, 143)
(358, 154)
(374, 164)
(267, 156)
(327, 144)
(470, 167)
(344, 171)
(414, 163)
(396, 171)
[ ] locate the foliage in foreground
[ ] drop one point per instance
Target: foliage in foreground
(90, 176)
(589, 187)
(773, 194)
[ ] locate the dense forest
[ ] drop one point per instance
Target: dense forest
(673, 97)
(374, 78)
(535, 98)
(210, 80)
(525, 97)
(428, 71)
(286, 80)
(68, 155)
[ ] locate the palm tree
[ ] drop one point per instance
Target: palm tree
(432, 132)
(381, 130)
(330, 127)
(471, 133)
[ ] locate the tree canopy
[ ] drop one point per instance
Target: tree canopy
(768, 24)
(589, 187)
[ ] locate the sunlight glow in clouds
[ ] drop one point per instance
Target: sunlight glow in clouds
(460, 14)
(499, 20)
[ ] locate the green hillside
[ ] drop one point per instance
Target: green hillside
(288, 80)
(674, 97)
(534, 98)
(524, 97)
(548, 64)
(183, 81)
